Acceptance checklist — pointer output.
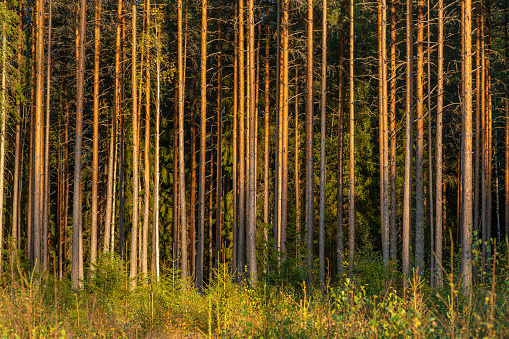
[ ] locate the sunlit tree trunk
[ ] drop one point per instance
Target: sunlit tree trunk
(155, 221)
(419, 149)
(95, 145)
(77, 238)
(340, 247)
(466, 251)
(133, 271)
(430, 154)
(351, 164)
(392, 118)
(146, 153)
(181, 164)
(266, 151)
(203, 147)
(309, 142)
(439, 148)
(323, 108)
(3, 117)
(251, 217)
(241, 215)
(407, 195)
(219, 159)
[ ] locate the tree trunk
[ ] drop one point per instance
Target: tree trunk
(392, 117)
(3, 118)
(95, 146)
(439, 148)
(182, 185)
(219, 156)
(506, 151)
(46, 207)
(309, 144)
(407, 195)
(266, 153)
(430, 154)
(133, 271)
(351, 165)
(466, 251)
(323, 108)
(77, 237)
(419, 149)
(16, 206)
(155, 224)
(203, 147)
(251, 217)
(235, 270)
(241, 239)
(146, 153)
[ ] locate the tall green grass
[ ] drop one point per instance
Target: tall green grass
(38, 306)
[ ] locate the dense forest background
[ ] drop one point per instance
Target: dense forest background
(272, 136)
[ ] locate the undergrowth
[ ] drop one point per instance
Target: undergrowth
(371, 306)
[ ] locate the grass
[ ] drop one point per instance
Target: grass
(41, 307)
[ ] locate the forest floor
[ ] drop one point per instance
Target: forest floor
(279, 306)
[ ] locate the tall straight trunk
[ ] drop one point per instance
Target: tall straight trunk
(95, 146)
(392, 118)
(266, 152)
(67, 179)
(439, 149)
(309, 143)
(340, 247)
(37, 143)
(241, 239)
(384, 132)
(16, 206)
(46, 202)
(284, 131)
(323, 104)
(482, 85)
(31, 179)
(251, 202)
(146, 153)
(489, 129)
(133, 269)
(203, 147)
(182, 185)
(407, 194)
(192, 208)
(277, 143)
(351, 165)
(235, 138)
(219, 156)
(211, 214)
(466, 251)
(175, 207)
(477, 150)
(155, 210)
(121, 145)
(419, 149)
(110, 204)
(77, 238)
(506, 150)
(3, 118)
(430, 154)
